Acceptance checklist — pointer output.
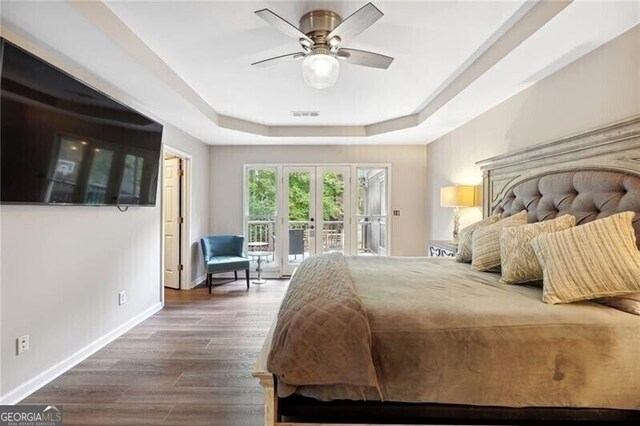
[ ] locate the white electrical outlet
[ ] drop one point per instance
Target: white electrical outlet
(23, 343)
(122, 298)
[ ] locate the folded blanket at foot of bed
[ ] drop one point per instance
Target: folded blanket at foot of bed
(322, 335)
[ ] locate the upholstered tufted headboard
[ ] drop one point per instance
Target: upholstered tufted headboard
(586, 194)
(590, 175)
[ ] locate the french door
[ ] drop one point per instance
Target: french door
(316, 216)
(296, 211)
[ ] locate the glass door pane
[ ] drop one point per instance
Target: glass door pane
(262, 212)
(333, 186)
(372, 211)
(299, 221)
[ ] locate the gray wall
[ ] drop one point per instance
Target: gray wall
(199, 153)
(408, 181)
(63, 266)
(601, 87)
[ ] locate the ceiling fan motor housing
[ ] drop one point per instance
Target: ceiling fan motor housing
(318, 24)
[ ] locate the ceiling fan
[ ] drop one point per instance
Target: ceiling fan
(321, 34)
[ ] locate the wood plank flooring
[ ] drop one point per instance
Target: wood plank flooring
(189, 364)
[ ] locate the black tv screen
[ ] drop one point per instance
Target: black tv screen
(63, 142)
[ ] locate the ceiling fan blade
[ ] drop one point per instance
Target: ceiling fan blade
(356, 23)
(282, 24)
(278, 60)
(365, 58)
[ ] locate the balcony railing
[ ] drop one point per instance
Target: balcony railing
(372, 234)
(260, 231)
(261, 234)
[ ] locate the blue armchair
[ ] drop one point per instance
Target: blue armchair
(223, 253)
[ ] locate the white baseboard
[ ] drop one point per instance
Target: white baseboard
(16, 395)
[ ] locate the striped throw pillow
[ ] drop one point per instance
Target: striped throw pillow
(519, 263)
(597, 259)
(486, 242)
(465, 240)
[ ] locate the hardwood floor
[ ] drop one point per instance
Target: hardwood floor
(189, 364)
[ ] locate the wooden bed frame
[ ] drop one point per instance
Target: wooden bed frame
(612, 147)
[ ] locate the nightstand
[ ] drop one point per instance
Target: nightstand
(442, 248)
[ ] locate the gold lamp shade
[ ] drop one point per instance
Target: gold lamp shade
(458, 196)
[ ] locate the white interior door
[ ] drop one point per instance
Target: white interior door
(317, 215)
(171, 209)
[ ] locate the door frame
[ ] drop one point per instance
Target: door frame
(185, 235)
(277, 271)
(175, 209)
(354, 200)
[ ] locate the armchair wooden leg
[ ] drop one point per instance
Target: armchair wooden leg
(209, 279)
(247, 273)
(235, 273)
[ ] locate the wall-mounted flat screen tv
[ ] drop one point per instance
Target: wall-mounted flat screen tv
(63, 142)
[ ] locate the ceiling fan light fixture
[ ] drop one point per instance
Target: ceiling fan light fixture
(321, 34)
(320, 70)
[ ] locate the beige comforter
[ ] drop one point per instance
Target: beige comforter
(322, 335)
(444, 333)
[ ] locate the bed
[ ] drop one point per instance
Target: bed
(429, 339)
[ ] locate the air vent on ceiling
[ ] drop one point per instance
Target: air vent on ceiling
(305, 113)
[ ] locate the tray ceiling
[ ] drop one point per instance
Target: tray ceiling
(188, 63)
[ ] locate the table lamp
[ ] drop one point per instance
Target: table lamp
(457, 196)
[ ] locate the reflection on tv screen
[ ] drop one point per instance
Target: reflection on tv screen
(66, 143)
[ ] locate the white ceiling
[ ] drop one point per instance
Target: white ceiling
(188, 63)
(212, 46)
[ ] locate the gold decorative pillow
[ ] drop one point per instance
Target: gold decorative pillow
(519, 263)
(486, 242)
(597, 259)
(629, 303)
(464, 254)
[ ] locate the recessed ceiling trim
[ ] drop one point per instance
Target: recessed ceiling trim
(317, 131)
(392, 125)
(103, 18)
(527, 25)
(481, 50)
(532, 16)
(246, 126)
(526, 21)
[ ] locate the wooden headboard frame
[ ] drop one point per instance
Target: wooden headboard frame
(614, 147)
